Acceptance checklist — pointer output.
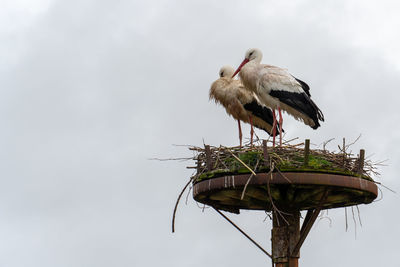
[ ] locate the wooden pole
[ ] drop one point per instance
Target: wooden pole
(208, 157)
(265, 153)
(306, 152)
(285, 236)
(361, 162)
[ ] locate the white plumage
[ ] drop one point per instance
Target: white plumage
(240, 103)
(278, 89)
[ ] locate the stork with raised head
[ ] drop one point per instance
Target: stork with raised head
(278, 89)
(240, 103)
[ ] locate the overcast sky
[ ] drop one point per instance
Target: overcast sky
(90, 90)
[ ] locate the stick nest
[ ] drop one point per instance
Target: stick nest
(212, 162)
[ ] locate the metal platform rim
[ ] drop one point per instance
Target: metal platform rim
(226, 192)
(297, 178)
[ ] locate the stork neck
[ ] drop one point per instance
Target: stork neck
(248, 75)
(257, 60)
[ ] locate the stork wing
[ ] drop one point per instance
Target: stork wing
(305, 86)
(275, 78)
(279, 83)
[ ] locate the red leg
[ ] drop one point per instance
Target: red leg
(273, 128)
(280, 126)
(251, 130)
(240, 133)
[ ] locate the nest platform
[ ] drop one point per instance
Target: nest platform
(288, 178)
(285, 190)
(284, 181)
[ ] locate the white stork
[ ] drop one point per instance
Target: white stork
(278, 89)
(241, 104)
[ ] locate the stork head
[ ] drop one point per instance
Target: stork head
(253, 54)
(226, 71)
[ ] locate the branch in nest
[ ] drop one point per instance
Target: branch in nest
(169, 159)
(244, 164)
(248, 181)
(385, 187)
(177, 202)
(355, 141)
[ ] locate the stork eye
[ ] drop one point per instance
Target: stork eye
(221, 74)
(251, 53)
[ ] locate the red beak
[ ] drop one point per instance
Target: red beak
(240, 67)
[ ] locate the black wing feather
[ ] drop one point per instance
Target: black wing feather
(302, 103)
(263, 113)
(305, 86)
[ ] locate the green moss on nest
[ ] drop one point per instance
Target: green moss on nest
(286, 159)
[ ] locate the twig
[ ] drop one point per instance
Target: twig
(355, 141)
(288, 141)
(381, 195)
(272, 202)
(268, 216)
(344, 152)
(326, 217)
(326, 142)
(248, 181)
(169, 159)
(183, 145)
(284, 176)
(355, 223)
(359, 217)
(219, 159)
(385, 187)
(244, 164)
(188, 193)
(177, 202)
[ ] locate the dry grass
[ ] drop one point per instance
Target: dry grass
(218, 161)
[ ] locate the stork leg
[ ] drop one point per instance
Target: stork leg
(273, 128)
(251, 130)
(280, 126)
(240, 133)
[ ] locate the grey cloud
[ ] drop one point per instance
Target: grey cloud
(97, 88)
